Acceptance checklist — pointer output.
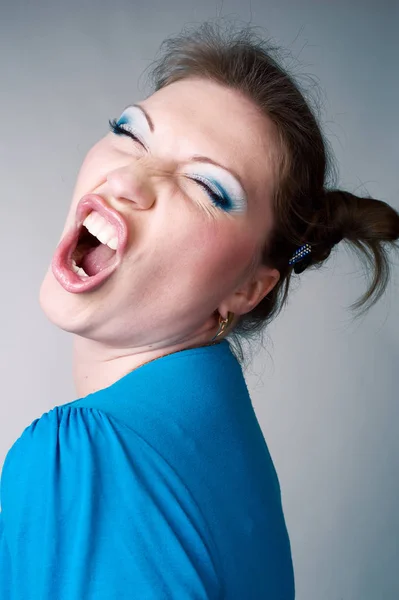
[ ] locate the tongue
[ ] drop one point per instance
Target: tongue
(97, 259)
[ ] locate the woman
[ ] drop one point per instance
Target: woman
(186, 223)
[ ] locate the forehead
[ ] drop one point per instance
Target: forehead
(197, 116)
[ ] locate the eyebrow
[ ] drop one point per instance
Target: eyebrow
(196, 157)
(206, 159)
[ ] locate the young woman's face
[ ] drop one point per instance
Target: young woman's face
(185, 183)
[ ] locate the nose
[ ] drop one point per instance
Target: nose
(132, 184)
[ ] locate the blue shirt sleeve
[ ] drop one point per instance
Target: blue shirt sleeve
(90, 511)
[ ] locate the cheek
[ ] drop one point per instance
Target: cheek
(233, 258)
(91, 174)
(219, 256)
(93, 169)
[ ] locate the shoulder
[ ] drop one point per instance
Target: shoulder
(60, 432)
(87, 462)
(65, 449)
(65, 427)
(79, 446)
(79, 484)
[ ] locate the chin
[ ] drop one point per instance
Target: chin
(60, 307)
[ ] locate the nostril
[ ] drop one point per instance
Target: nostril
(132, 184)
(123, 190)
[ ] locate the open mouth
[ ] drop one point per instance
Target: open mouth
(96, 247)
(93, 249)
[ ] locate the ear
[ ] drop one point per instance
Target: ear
(252, 292)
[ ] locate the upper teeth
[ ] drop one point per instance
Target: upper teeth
(101, 229)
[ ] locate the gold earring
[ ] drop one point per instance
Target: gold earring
(223, 324)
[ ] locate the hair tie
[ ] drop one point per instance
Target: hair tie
(301, 258)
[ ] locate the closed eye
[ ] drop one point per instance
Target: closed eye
(220, 199)
(124, 129)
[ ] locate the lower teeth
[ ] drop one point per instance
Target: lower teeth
(78, 270)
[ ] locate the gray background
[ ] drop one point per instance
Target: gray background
(325, 387)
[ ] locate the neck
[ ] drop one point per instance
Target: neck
(97, 366)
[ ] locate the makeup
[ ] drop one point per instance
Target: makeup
(221, 186)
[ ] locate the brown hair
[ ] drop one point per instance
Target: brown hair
(304, 210)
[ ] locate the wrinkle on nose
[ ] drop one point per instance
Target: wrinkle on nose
(132, 185)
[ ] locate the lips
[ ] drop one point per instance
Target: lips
(62, 260)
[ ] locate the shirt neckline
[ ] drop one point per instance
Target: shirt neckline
(152, 365)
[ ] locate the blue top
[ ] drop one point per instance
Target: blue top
(158, 487)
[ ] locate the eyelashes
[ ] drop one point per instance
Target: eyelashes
(219, 198)
(123, 129)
